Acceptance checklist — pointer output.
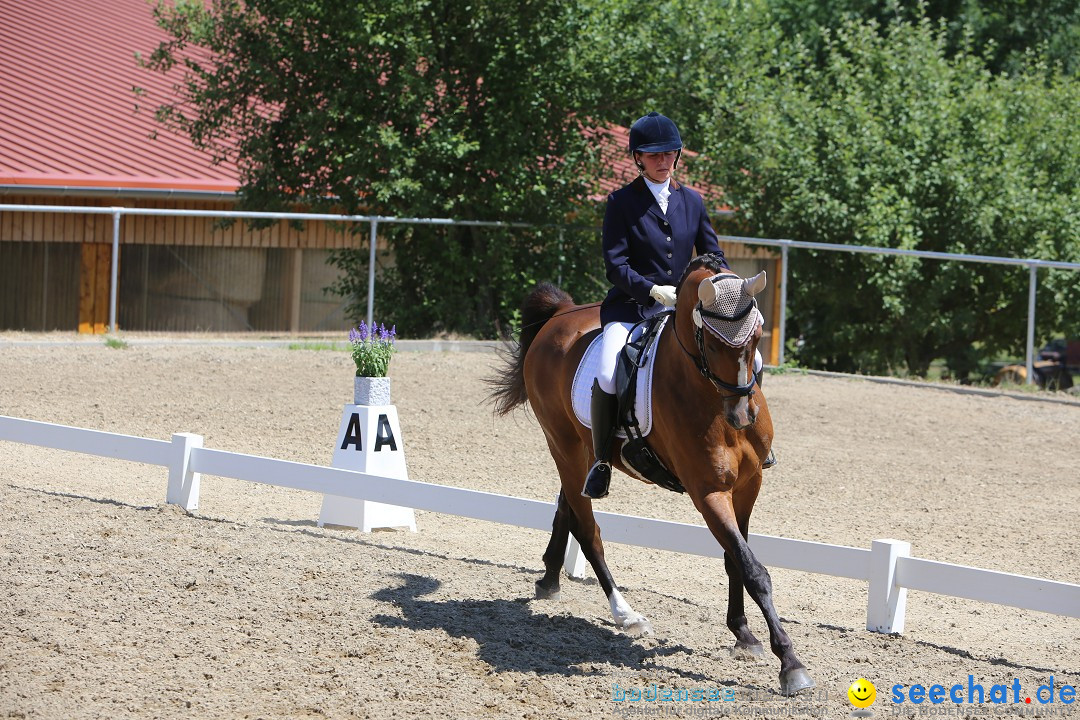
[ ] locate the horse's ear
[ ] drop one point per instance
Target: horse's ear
(706, 292)
(752, 286)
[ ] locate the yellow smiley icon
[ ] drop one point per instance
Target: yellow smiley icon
(862, 693)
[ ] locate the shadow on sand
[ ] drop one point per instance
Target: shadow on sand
(512, 636)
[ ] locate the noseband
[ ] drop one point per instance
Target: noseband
(702, 362)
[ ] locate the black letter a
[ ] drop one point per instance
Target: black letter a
(352, 433)
(384, 435)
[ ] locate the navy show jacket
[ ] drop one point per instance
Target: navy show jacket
(643, 246)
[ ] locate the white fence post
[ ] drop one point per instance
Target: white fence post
(183, 482)
(574, 560)
(886, 601)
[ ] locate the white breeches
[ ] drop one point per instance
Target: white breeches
(614, 338)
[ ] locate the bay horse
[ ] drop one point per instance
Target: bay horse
(711, 428)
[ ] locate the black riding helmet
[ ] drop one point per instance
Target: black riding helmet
(655, 133)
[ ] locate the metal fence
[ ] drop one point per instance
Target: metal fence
(374, 221)
(118, 213)
(1032, 264)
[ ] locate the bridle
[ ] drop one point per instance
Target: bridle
(702, 362)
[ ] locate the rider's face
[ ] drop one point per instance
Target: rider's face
(658, 165)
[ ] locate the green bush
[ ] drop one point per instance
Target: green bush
(470, 280)
(892, 142)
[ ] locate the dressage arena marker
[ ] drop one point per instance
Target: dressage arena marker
(887, 566)
(368, 441)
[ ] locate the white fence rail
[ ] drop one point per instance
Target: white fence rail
(886, 566)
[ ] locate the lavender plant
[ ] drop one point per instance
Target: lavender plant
(372, 347)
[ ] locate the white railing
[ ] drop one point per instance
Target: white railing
(886, 566)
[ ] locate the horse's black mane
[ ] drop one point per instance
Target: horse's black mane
(712, 261)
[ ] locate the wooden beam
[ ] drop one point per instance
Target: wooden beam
(294, 271)
(87, 275)
(101, 287)
(94, 274)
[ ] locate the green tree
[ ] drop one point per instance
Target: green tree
(893, 142)
(410, 108)
(1003, 31)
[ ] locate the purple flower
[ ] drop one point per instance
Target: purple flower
(372, 346)
(363, 333)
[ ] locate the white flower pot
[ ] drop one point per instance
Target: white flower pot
(371, 391)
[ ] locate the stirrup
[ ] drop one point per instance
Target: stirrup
(769, 461)
(598, 481)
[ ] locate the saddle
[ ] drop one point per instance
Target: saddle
(636, 453)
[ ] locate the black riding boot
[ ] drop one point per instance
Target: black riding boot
(771, 460)
(605, 406)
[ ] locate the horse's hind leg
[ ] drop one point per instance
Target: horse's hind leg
(720, 517)
(547, 587)
(747, 646)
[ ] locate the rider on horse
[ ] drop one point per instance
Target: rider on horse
(653, 227)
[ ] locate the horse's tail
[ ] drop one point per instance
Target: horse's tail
(508, 385)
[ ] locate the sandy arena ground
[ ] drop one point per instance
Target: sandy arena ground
(118, 606)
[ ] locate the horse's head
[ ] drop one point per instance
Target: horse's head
(717, 308)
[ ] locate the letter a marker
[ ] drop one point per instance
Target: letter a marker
(369, 440)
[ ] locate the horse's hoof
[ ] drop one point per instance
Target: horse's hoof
(794, 681)
(640, 627)
(543, 593)
(748, 652)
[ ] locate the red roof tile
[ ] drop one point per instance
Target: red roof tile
(67, 108)
(68, 111)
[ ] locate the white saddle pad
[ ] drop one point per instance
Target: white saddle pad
(586, 373)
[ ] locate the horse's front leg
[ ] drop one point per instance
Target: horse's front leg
(720, 517)
(587, 532)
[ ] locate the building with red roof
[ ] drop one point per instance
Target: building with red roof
(70, 120)
(74, 131)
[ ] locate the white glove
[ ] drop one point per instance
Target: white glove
(663, 294)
